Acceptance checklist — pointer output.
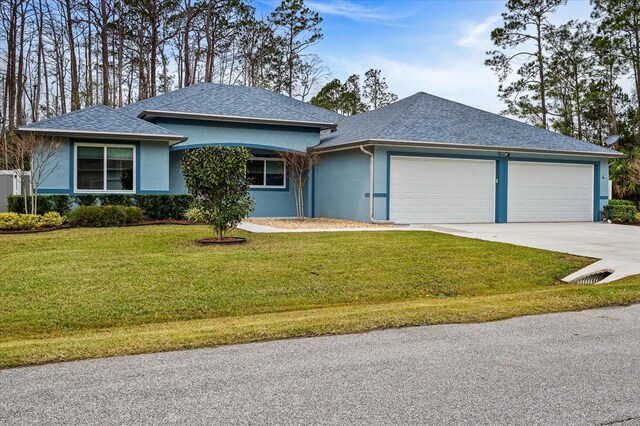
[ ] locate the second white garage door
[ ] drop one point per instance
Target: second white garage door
(549, 192)
(441, 190)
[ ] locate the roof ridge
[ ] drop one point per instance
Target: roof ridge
(397, 114)
(161, 95)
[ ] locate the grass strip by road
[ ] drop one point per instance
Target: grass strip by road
(313, 322)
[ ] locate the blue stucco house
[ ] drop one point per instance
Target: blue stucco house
(422, 159)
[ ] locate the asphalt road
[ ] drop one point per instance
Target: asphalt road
(574, 368)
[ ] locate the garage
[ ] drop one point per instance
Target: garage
(550, 192)
(441, 190)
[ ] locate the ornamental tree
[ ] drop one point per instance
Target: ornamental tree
(216, 177)
(299, 165)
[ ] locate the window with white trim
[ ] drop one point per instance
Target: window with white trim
(104, 168)
(266, 173)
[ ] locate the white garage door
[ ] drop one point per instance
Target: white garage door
(549, 192)
(438, 190)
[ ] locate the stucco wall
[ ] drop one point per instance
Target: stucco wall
(153, 167)
(341, 182)
(58, 181)
(260, 139)
(250, 135)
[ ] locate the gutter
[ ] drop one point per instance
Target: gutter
(413, 144)
(102, 134)
(371, 197)
(151, 114)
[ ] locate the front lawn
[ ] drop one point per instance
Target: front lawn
(82, 293)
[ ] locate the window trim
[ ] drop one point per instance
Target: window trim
(264, 173)
(104, 147)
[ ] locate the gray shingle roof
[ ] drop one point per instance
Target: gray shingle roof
(233, 101)
(100, 119)
(428, 119)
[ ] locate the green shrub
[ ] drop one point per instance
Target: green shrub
(194, 215)
(620, 211)
(100, 216)
(133, 215)
(116, 199)
(18, 221)
(163, 206)
(52, 219)
(621, 203)
(86, 199)
(46, 203)
(154, 206)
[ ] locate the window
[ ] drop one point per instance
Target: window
(266, 173)
(104, 168)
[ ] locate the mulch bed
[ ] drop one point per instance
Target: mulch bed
(33, 231)
(144, 223)
(164, 222)
(222, 241)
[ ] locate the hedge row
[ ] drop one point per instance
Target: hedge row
(100, 216)
(620, 211)
(46, 203)
(155, 207)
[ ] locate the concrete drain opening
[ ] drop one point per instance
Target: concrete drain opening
(594, 278)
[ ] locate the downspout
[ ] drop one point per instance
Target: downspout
(371, 196)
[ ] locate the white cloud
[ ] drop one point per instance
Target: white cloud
(478, 34)
(354, 11)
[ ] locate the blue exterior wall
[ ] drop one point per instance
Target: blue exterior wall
(152, 167)
(200, 133)
(341, 182)
(58, 181)
(261, 138)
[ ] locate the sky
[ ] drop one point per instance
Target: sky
(433, 46)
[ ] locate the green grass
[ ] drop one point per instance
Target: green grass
(82, 293)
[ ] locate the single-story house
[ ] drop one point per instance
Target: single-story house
(422, 159)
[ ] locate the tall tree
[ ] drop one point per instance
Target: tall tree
(521, 39)
(343, 98)
(620, 21)
(375, 90)
(73, 64)
(299, 28)
(351, 97)
(571, 71)
(329, 96)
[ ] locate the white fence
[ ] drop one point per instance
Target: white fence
(11, 184)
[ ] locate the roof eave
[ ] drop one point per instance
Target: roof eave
(102, 135)
(419, 144)
(151, 114)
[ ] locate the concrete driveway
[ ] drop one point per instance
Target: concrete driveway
(577, 368)
(618, 246)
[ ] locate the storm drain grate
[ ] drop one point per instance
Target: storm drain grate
(593, 278)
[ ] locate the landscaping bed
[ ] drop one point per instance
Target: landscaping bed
(316, 223)
(32, 231)
(95, 292)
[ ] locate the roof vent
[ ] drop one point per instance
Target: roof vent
(594, 278)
